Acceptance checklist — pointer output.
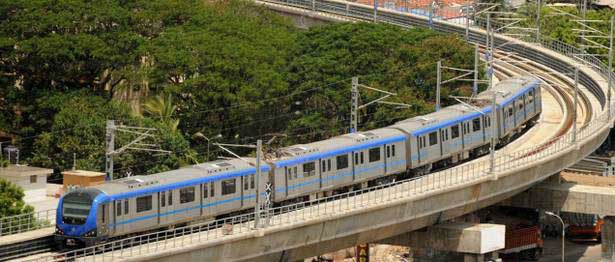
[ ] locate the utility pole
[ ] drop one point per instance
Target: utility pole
(259, 150)
(610, 68)
(538, 9)
(430, 8)
(438, 84)
(493, 122)
(110, 140)
(467, 7)
(476, 60)
(142, 132)
(584, 15)
(375, 10)
(354, 106)
(257, 208)
(576, 91)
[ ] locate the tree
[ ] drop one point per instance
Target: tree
(384, 57)
(11, 200)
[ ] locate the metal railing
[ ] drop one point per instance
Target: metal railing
(342, 204)
(27, 222)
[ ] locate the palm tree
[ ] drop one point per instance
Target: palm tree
(161, 106)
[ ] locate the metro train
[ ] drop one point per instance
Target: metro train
(202, 192)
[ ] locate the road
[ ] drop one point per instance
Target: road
(583, 252)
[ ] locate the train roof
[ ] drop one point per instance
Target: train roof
(195, 174)
(336, 145)
(506, 91)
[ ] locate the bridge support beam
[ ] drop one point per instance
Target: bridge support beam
(608, 239)
(474, 241)
(573, 197)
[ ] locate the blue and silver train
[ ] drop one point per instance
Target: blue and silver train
(205, 191)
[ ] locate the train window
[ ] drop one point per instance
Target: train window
(388, 151)
(103, 213)
(118, 208)
(228, 186)
(475, 124)
(324, 166)
(252, 181)
(211, 190)
(205, 191)
(245, 183)
(520, 103)
(144, 203)
(288, 176)
(530, 96)
(170, 198)
(356, 158)
(309, 169)
(421, 143)
(329, 164)
(486, 121)
(186, 195)
(374, 154)
(433, 138)
(295, 171)
(393, 149)
(362, 158)
(510, 111)
(163, 199)
(455, 131)
(126, 206)
(341, 161)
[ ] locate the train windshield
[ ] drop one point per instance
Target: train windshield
(76, 206)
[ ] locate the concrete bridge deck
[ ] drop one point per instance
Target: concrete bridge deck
(301, 231)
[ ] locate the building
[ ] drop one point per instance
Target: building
(81, 178)
(33, 180)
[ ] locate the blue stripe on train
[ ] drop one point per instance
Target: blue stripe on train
(394, 164)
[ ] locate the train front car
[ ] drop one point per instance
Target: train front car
(77, 218)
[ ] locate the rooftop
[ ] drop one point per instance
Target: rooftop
(83, 173)
(21, 170)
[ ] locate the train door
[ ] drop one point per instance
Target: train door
(529, 106)
(329, 177)
(509, 118)
(103, 218)
(445, 141)
(248, 191)
(117, 217)
(455, 143)
(164, 208)
(207, 199)
(520, 111)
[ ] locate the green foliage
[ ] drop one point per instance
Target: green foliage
(564, 27)
(79, 127)
(11, 200)
(385, 57)
(217, 67)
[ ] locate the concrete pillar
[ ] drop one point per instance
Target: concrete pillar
(473, 258)
(608, 239)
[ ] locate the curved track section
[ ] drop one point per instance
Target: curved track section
(373, 214)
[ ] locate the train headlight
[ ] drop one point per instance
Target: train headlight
(91, 233)
(59, 231)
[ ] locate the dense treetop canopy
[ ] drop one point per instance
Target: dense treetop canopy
(209, 67)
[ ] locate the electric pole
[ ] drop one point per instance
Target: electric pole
(438, 83)
(110, 140)
(354, 106)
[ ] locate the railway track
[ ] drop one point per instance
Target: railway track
(26, 249)
(542, 70)
(503, 70)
